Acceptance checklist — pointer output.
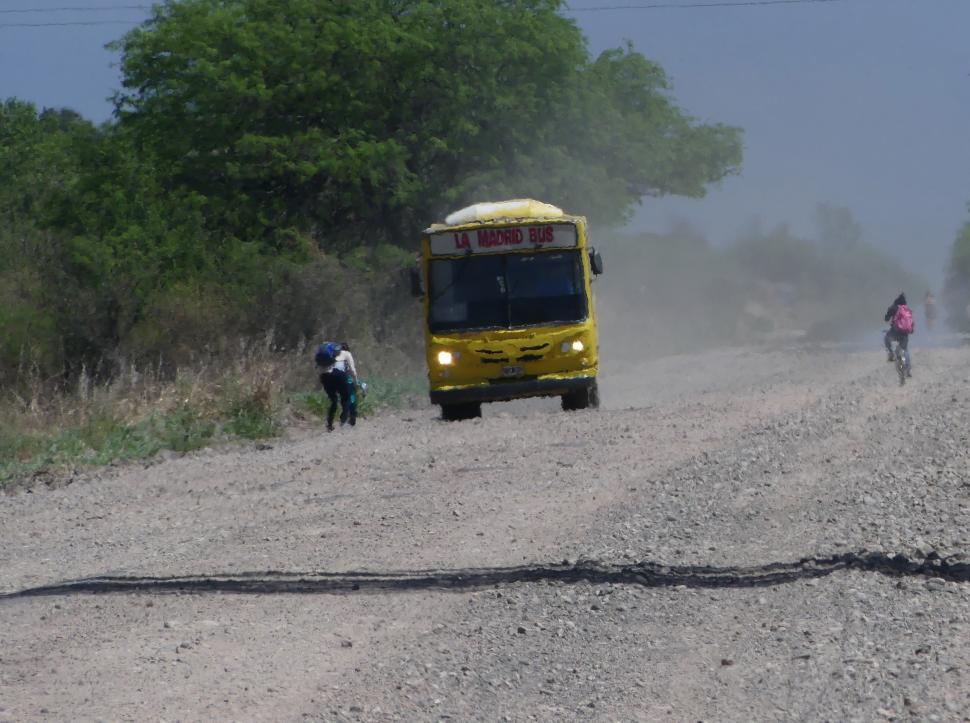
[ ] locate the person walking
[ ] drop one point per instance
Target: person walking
(339, 379)
(929, 310)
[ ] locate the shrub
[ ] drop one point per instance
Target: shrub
(183, 429)
(250, 408)
(956, 293)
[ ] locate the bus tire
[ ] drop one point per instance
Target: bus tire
(458, 412)
(581, 399)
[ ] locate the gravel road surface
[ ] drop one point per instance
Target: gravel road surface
(736, 536)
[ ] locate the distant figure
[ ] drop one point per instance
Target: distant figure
(929, 310)
(339, 379)
(901, 325)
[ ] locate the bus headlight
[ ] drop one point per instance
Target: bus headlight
(445, 358)
(576, 345)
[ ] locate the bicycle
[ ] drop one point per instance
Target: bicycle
(901, 360)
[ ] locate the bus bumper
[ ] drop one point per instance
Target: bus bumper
(505, 391)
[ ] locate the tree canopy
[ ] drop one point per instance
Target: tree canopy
(360, 121)
(257, 141)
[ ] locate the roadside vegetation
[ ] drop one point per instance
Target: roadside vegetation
(272, 161)
(956, 293)
(139, 413)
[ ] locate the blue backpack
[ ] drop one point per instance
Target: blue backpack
(327, 353)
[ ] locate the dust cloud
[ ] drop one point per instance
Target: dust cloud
(676, 293)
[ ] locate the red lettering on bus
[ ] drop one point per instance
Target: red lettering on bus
(461, 241)
(492, 237)
(541, 234)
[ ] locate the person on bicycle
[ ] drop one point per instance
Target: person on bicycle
(901, 325)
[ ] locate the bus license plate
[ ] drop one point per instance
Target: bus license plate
(514, 371)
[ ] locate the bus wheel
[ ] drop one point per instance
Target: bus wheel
(581, 399)
(458, 412)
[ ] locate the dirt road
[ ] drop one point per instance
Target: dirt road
(740, 535)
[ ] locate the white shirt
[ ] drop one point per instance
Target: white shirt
(344, 363)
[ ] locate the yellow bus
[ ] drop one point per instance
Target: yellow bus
(508, 307)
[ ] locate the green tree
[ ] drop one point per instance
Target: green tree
(88, 238)
(126, 239)
(956, 292)
(38, 161)
(359, 121)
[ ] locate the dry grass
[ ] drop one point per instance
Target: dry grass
(140, 411)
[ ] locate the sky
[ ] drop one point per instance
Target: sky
(860, 103)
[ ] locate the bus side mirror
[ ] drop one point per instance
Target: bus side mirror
(417, 288)
(595, 262)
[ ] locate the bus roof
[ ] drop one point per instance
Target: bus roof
(503, 213)
(504, 221)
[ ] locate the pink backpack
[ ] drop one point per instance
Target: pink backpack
(903, 319)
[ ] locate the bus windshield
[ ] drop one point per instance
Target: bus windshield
(506, 291)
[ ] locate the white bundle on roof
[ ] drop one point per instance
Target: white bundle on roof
(516, 208)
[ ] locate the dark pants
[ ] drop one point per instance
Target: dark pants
(903, 339)
(337, 384)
